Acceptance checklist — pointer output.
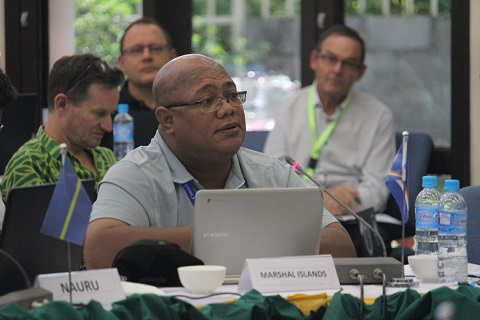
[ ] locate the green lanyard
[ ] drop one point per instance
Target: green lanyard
(320, 142)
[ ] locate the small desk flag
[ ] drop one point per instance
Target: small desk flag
(397, 182)
(69, 210)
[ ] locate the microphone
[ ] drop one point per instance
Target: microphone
(372, 270)
(298, 167)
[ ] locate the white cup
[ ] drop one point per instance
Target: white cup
(202, 279)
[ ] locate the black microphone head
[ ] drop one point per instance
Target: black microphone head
(290, 160)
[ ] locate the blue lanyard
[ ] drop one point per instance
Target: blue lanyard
(190, 191)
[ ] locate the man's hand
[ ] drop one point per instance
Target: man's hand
(348, 195)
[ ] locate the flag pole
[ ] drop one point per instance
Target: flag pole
(405, 192)
(63, 151)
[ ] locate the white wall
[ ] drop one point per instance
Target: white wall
(475, 92)
(61, 29)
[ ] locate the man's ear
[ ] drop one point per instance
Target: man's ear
(61, 102)
(165, 118)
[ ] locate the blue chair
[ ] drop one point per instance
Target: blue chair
(255, 140)
(471, 195)
(419, 151)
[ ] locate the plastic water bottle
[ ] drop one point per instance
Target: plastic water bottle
(452, 235)
(122, 132)
(426, 217)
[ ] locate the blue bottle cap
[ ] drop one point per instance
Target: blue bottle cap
(123, 108)
(451, 185)
(429, 181)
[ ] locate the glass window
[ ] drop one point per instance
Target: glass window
(408, 59)
(258, 42)
(100, 24)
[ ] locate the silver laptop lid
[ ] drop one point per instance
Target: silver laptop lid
(232, 225)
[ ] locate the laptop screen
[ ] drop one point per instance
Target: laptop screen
(232, 225)
(21, 237)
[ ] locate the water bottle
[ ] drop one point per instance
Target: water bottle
(426, 217)
(122, 132)
(452, 235)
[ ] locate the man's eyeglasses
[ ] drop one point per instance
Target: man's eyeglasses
(154, 49)
(348, 64)
(1, 126)
(99, 65)
(235, 99)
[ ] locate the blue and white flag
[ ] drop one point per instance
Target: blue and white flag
(69, 210)
(397, 179)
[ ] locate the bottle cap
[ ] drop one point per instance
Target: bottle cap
(123, 108)
(451, 185)
(429, 181)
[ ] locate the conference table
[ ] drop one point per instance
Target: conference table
(425, 301)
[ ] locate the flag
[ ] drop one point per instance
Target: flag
(69, 210)
(397, 182)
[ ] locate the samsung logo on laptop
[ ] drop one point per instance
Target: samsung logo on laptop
(215, 235)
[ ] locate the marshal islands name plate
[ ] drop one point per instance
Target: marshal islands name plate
(301, 273)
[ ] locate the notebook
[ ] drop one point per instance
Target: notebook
(232, 225)
(21, 238)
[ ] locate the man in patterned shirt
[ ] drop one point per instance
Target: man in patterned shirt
(82, 95)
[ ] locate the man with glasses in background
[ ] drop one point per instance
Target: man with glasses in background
(144, 48)
(150, 193)
(82, 95)
(345, 137)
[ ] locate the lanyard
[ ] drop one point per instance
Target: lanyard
(320, 142)
(190, 191)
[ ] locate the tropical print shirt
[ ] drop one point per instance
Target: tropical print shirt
(39, 161)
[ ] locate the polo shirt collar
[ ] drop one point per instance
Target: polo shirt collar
(180, 174)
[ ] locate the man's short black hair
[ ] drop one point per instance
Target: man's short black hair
(8, 93)
(342, 30)
(146, 20)
(74, 74)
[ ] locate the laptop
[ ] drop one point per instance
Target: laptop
(21, 238)
(230, 226)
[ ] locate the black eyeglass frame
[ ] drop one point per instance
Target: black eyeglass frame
(99, 64)
(333, 60)
(133, 51)
(241, 94)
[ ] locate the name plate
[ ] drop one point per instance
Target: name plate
(302, 273)
(102, 285)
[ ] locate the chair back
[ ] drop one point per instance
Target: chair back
(419, 151)
(255, 140)
(471, 195)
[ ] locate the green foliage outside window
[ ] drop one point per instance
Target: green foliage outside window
(397, 7)
(99, 24)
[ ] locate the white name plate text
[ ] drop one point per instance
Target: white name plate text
(102, 285)
(302, 273)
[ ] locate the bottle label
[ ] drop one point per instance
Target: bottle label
(452, 223)
(123, 132)
(426, 217)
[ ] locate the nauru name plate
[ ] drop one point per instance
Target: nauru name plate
(300, 273)
(102, 285)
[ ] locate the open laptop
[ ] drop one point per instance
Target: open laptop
(21, 238)
(232, 225)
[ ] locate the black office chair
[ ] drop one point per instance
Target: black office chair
(419, 151)
(471, 195)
